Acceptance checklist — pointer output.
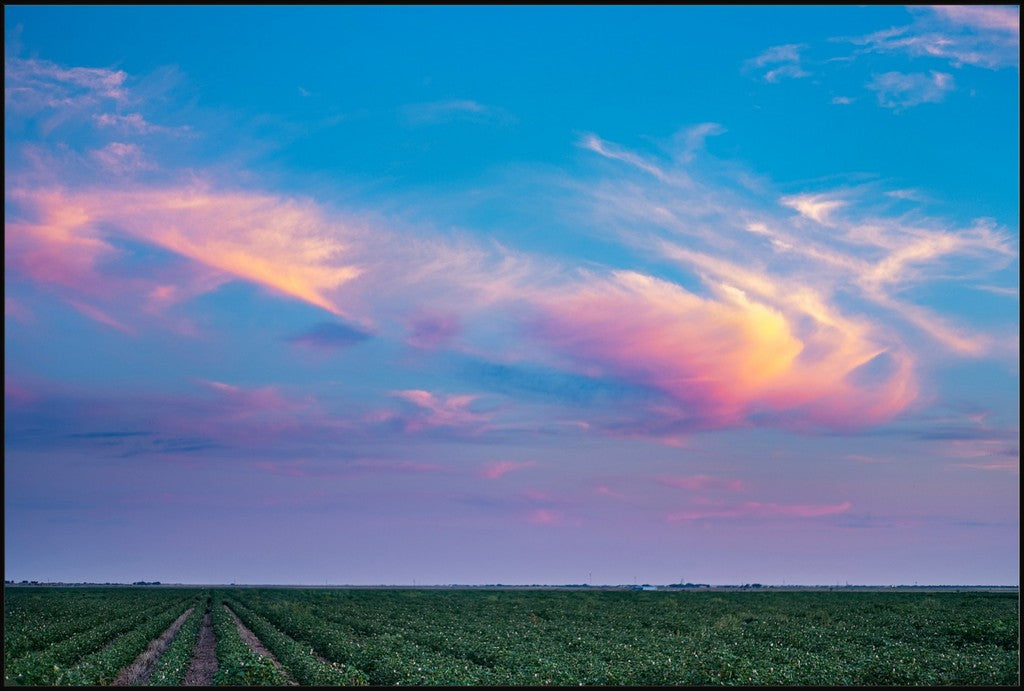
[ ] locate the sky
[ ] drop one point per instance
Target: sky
(520, 295)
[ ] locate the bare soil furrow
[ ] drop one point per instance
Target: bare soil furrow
(256, 645)
(138, 672)
(204, 660)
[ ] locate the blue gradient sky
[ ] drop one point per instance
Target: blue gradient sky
(512, 295)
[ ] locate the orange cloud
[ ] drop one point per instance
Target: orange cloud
(285, 245)
(726, 357)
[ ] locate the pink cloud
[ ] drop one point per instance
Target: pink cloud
(285, 245)
(119, 157)
(551, 517)
(607, 491)
(52, 241)
(440, 410)
(100, 316)
(698, 483)
(495, 470)
(997, 18)
(753, 509)
(725, 357)
(544, 517)
(249, 401)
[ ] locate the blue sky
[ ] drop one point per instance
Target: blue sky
(517, 295)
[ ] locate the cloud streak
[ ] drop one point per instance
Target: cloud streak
(753, 509)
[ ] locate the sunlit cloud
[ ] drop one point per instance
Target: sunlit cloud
(759, 340)
(724, 358)
(871, 252)
(817, 207)
(286, 245)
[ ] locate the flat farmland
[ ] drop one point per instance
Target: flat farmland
(506, 637)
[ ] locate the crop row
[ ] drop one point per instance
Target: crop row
(301, 659)
(237, 664)
(36, 618)
(517, 638)
(89, 654)
(170, 669)
(101, 668)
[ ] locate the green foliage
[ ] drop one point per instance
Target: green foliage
(520, 638)
(172, 666)
(237, 665)
(400, 637)
(113, 627)
(299, 658)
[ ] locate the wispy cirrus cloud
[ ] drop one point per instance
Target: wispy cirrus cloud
(980, 36)
(36, 85)
(135, 123)
(797, 270)
(898, 90)
(994, 17)
(431, 410)
(721, 358)
(817, 207)
(779, 62)
(949, 36)
(286, 245)
(749, 325)
(453, 110)
(123, 158)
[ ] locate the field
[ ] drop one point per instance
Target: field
(257, 636)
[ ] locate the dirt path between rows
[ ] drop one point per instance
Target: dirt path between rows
(139, 671)
(256, 645)
(204, 660)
